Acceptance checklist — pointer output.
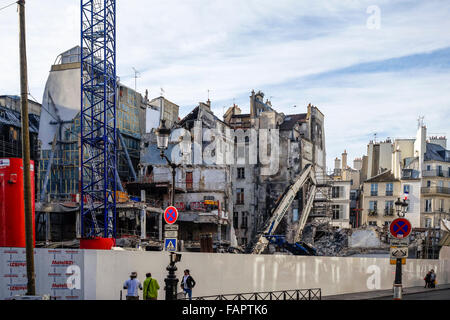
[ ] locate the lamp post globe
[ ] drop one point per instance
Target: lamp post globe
(398, 206)
(162, 136)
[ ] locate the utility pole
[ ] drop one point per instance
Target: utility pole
(31, 285)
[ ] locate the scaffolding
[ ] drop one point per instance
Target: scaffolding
(98, 118)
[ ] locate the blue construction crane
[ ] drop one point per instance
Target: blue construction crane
(98, 119)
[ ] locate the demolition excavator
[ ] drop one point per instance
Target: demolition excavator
(306, 179)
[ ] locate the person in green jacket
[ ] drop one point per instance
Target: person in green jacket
(151, 288)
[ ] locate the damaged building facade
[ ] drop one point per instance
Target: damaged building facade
(202, 186)
(11, 125)
(58, 181)
(300, 140)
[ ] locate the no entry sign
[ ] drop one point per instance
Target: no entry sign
(400, 228)
(171, 215)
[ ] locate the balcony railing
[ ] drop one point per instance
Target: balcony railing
(373, 213)
(389, 193)
(435, 173)
(373, 193)
(440, 190)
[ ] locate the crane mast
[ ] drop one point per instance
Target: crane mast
(98, 119)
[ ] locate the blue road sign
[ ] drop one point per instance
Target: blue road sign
(170, 245)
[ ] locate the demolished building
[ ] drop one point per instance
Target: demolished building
(299, 140)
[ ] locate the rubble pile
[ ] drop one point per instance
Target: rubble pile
(332, 244)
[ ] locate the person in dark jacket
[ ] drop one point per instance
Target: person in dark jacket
(187, 283)
(432, 279)
(427, 279)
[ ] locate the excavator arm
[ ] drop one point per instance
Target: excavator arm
(283, 205)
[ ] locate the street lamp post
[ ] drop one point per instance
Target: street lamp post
(172, 281)
(162, 138)
(400, 208)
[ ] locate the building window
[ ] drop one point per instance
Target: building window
(240, 196)
(428, 205)
(241, 173)
(373, 208)
(428, 223)
(406, 188)
(336, 192)
(374, 189)
(244, 224)
(373, 223)
(428, 183)
(428, 168)
(336, 212)
(235, 220)
(389, 189)
(389, 208)
(189, 181)
(439, 171)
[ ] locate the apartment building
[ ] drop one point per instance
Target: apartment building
(435, 187)
(379, 195)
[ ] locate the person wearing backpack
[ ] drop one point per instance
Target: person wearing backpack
(187, 283)
(151, 287)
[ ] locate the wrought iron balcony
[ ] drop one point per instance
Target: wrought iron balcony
(435, 173)
(437, 190)
(373, 213)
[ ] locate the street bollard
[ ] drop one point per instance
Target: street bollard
(397, 292)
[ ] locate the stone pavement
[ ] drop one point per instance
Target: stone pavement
(375, 294)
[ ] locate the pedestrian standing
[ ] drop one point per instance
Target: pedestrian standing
(427, 279)
(187, 283)
(432, 279)
(132, 285)
(151, 287)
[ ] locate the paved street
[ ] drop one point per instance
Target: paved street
(431, 295)
(442, 292)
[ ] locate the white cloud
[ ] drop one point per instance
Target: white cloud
(234, 46)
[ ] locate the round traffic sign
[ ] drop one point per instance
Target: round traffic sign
(171, 215)
(400, 228)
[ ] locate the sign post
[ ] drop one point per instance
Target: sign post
(400, 229)
(170, 229)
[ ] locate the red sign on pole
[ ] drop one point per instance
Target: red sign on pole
(171, 215)
(400, 228)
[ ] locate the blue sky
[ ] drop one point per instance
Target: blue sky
(364, 80)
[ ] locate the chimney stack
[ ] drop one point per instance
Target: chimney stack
(344, 160)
